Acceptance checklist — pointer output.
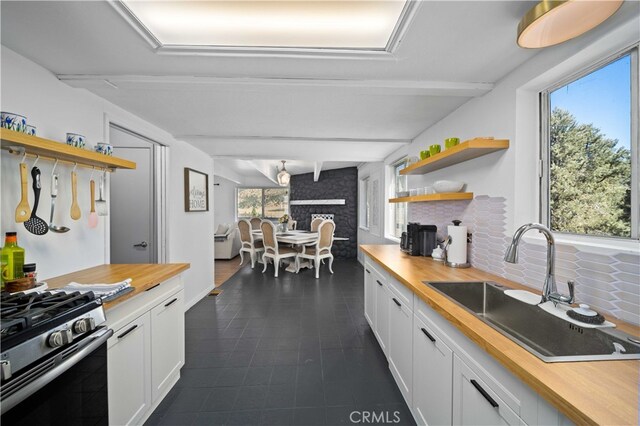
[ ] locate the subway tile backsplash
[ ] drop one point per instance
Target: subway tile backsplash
(610, 283)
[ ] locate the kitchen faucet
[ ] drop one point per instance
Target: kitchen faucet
(549, 289)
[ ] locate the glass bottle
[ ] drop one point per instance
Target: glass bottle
(12, 258)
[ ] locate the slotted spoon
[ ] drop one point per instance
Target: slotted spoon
(34, 224)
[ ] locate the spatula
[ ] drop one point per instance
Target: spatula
(23, 211)
(93, 216)
(101, 203)
(75, 208)
(35, 225)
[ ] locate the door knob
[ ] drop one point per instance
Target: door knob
(143, 244)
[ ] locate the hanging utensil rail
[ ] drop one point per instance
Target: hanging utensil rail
(21, 143)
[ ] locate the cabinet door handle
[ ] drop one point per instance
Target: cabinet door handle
(396, 301)
(128, 331)
(152, 287)
(429, 336)
(484, 393)
(379, 283)
(368, 271)
(171, 303)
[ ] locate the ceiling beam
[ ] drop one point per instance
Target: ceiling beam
(294, 139)
(317, 168)
(376, 87)
(266, 169)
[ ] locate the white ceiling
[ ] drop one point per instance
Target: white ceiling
(252, 106)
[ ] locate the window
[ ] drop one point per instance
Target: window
(590, 151)
(266, 203)
(365, 197)
(399, 209)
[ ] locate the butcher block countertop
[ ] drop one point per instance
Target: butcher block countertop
(594, 392)
(143, 277)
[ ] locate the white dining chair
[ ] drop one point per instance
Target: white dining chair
(271, 248)
(249, 244)
(322, 248)
(315, 223)
(255, 223)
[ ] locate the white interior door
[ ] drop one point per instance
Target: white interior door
(132, 201)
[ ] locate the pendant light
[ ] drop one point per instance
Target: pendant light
(552, 22)
(283, 176)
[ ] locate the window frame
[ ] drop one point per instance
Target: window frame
(363, 202)
(262, 189)
(545, 151)
(396, 206)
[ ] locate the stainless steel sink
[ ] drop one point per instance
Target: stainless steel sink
(550, 338)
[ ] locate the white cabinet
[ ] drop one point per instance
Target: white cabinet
(369, 295)
(382, 314)
(167, 342)
(146, 351)
(432, 372)
(475, 402)
(129, 372)
(400, 352)
(376, 305)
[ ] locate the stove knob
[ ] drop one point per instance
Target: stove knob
(84, 325)
(60, 338)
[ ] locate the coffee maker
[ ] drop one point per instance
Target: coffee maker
(418, 240)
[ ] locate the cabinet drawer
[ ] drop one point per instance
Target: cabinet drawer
(373, 267)
(132, 308)
(475, 402)
(402, 293)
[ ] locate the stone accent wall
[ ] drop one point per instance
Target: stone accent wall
(610, 282)
(332, 184)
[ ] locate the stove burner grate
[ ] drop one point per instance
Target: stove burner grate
(21, 312)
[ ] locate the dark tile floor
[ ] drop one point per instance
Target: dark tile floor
(291, 350)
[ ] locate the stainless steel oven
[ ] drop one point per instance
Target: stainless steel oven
(53, 360)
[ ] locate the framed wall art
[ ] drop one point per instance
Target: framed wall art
(196, 191)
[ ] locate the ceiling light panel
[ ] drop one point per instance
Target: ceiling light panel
(273, 24)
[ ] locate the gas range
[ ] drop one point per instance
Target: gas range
(41, 331)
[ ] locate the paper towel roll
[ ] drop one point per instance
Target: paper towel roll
(458, 248)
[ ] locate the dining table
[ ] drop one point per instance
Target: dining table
(296, 237)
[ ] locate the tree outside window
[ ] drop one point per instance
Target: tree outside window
(590, 148)
(266, 203)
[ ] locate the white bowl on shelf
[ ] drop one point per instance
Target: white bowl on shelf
(441, 186)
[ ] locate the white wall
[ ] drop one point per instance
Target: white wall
(56, 109)
(225, 201)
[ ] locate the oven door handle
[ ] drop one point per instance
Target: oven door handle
(62, 364)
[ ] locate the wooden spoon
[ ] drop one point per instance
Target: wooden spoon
(75, 208)
(93, 216)
(23, 211)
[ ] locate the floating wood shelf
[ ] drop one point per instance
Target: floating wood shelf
(467, 150)
(46, 148)
(444, 196)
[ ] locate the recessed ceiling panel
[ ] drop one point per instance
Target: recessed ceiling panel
(274, 24)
